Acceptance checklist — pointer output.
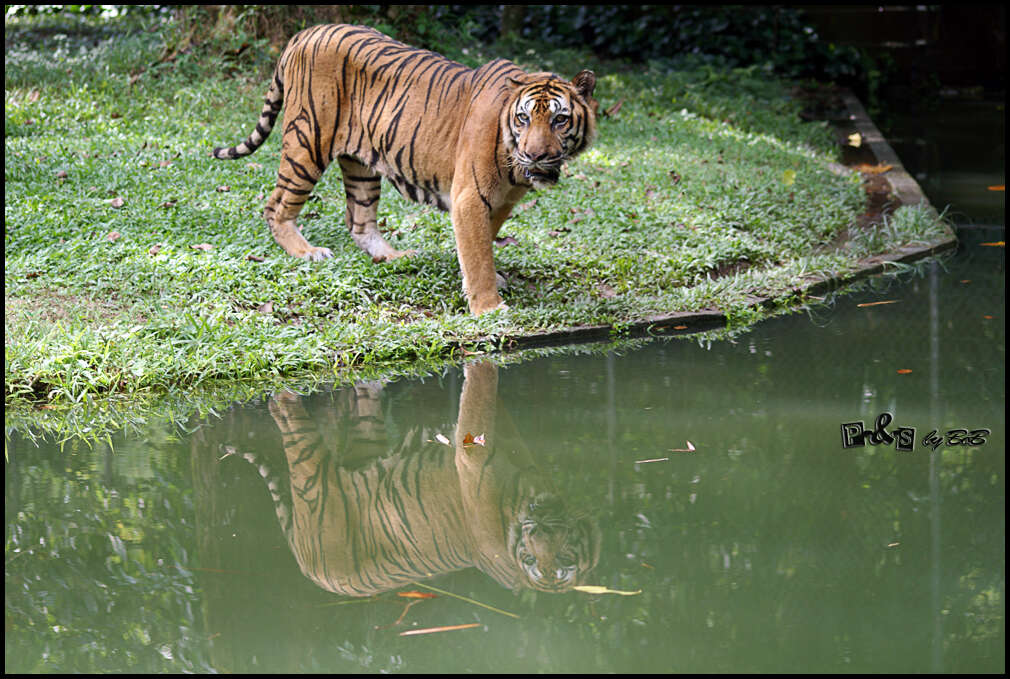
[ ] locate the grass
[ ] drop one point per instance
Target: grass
(703, 191)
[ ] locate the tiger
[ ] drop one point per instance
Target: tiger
(359, 529)
(469, 141)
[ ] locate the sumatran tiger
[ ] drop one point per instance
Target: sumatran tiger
(469, 141)
(361, 528)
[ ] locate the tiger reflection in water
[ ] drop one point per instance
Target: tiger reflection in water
(418, 513)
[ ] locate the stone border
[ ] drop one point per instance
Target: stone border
(903, 189)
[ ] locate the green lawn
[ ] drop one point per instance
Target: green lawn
(703, 190)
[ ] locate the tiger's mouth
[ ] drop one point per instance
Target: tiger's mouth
(540, 171)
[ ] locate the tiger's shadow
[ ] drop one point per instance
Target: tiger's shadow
(361, 521)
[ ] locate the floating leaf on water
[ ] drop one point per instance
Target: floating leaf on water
(690, 449)
(417, 595)
(597, 589)
(998, 187)
(886, 301)
(904, 371)
(432, 630)
(442, 439)
(855, 140)
(994, 244)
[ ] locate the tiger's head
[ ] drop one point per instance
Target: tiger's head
(547, 121)
(553, 550)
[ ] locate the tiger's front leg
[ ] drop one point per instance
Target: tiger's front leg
(471, 225)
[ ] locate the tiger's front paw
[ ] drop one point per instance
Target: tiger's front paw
(314, 254)
(478, 309)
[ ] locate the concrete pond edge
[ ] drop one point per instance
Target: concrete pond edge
(903, 190)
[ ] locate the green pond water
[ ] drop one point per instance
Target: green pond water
(723, 486)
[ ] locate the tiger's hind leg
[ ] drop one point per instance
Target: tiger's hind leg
(300, 168)
(362, 187)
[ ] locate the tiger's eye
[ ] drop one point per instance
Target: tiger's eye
(522, 118)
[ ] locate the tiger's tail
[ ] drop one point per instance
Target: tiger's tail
(272, 105)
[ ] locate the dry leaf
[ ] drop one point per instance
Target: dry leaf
(873, 169)
(266, 308)
(998, 187)
(155, 249)
(680, 327)
(61, 174)
(113, 236)
(255, 258)
(442, 439)
(597, 589)
(903, 371)
(168, 204)
(223, 188)
(505, 241)
(416, 595)
(117, 202)
(994, 244)
(206, 247)
(430, 630)
(855, 139)
(614, 109)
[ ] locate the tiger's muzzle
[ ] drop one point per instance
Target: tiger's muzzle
(540, 169)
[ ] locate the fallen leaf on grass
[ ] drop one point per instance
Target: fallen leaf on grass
(61, 174)
(117, 202)
(266, 308)
(224, 188)
(507, 240)
(255, 258)
(206, 247)
(597, 589)
(432, 630)
(155, 249)
(614, 109)
(789, 177)
(113, 236)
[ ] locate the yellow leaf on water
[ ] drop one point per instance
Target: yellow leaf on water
(430, 630)
(597, 589)
(855, 139)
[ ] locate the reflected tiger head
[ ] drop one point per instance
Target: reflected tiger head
(553, 549)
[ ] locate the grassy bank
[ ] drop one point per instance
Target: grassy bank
(136, 264)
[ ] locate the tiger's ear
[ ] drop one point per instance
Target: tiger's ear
(585, 83)
(515, 83)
